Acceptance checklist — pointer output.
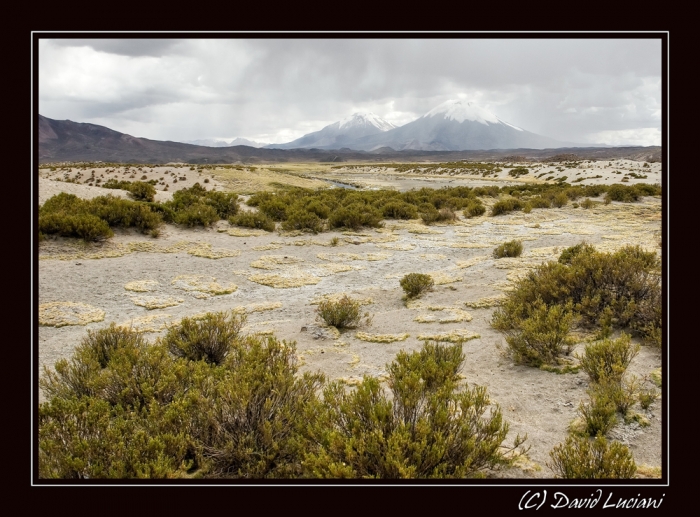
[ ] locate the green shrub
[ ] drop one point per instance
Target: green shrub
(560, 199)
(600, 414)
(587, 203)
(540, 202)
(198, 214)
(540, 335)
(253, 220)
(584, 458)
(141, 191)
(85, 226)
(275, 209)
(300, 220)
(569, 253)
(342, 313)
(355, 216)
(506, 205)
(647, 397)
(425, 428)
(474, 209)
(259, 412)
(415, 284)
(624, 193)
(615, 290)
(399, 210)
(508, 249)
(209, 338)
(608, 359)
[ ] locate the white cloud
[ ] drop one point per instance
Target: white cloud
(628, 137)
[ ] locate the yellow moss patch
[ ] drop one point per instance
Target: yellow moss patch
(453, 316)
(257, 307)
(337, 296)
(454, 336)
(469, 245)
(154, 302)
(268, 247)
(337, 268)
(241, 232)
(152, 323)
(442, 278)
(377, 256)
(206, 251)
(380, 338)
(141, 286)
(61, 314)
(283, 282)
(398, 246)
(487, 301)
(338, 257)
(422, 230)
(462, 264)
(432, 256)
(203, 285)
(275, 261)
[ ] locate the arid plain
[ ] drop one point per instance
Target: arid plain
(278, 278)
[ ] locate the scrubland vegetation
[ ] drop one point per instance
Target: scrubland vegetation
(210, 402)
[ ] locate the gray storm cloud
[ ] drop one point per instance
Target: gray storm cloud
(276, 90)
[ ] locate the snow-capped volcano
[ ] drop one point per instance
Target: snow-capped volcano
(464, 110)
(456, 125)
(365, 119)
(341, 133)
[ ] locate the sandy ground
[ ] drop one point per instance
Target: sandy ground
(277, 279)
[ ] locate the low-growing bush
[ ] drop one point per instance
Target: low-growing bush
(585, 458)
(624, 193)
(512, 248)
(301, 220)
(342, 313)
(253, 220)
(415, 284)
(355, 216)
(209, 338)
(474, 209)
(426, 427)
(607, 360)
(506, 205)
(587, 203)
(540, 336)
(604, 290)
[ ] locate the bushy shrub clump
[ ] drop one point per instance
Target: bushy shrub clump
(355, 216)
(125, 408)
(426, 428)
(584, 458)
(512, 248)
(138, 190)
(415, 284)
(208, 338)
(342, 313)
(197, 206)
(604, 290)
(69, 216)
(253, 220)
(506, 205)
(304, 221)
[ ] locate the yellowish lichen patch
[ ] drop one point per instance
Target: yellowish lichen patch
(453, 336)
(142, 286)
(202, 286)
(257, 307)
(398, 246)
(61, 314)
(486, 302)
(279, 281)
(432, 256)
(266, 247)
(423, 230)
(462, 264)
(337, 268)
(442, 277)
(275, 261)
(452, 315)
(337, 296)
(381, 338)
(241, 232)
(469, 245)
(205, 250)
(154, 302)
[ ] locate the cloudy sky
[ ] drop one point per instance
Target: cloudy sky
(275, 90)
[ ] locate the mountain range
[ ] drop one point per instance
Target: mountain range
(454, 125)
